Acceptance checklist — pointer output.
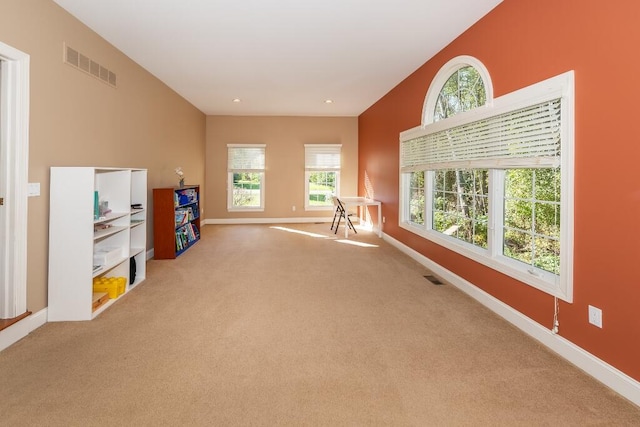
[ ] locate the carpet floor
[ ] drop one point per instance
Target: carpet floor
(260, 325)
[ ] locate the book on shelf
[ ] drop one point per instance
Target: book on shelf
(192, 232)
(181, 240)
(96, 205)
(185, 196)
(186, 235)
(181, 217)
(184, 215)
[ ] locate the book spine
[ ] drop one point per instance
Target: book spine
(96, 205)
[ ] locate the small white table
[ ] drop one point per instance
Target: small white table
(362, 203)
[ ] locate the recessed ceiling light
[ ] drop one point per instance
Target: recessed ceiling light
(328, 101)
(236, 100)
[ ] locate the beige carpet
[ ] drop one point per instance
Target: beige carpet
(262, 326)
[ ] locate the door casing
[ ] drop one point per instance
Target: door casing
(14, 161)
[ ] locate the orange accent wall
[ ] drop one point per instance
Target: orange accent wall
(522, 42)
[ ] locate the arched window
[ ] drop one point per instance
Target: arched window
(490, 179)
(463, 91)
(462, 84)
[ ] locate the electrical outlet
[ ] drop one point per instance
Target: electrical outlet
(595, 316)
(384, 220)
(293, 208)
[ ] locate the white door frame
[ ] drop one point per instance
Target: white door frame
(14, 167)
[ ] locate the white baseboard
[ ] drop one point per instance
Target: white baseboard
(297, 220)
(21, 329)
(365, 225)
(597, 368)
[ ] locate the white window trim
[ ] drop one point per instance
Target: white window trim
(561, 86)
(230, 207)
(14, 146)
(309, 169)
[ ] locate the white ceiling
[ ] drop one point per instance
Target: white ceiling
(280, 57)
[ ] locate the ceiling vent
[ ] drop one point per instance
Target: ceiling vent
(89, 66)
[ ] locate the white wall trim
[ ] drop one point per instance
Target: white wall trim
(14, 155)
(21, 329)
(597, 368)
(266, 220)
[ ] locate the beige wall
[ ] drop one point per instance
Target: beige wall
(284, 176)
(76, 120)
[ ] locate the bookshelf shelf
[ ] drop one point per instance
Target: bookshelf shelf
(136, 251)
(85, 247)
(176, 220)
(102, 233)
(107, 267)
(112, 216)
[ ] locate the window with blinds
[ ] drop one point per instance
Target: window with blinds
(322, 175)
(526, 137)
(245, 165)
(494, 183)
(322, 156)
(245, 158)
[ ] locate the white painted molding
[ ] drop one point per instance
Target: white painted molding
(21, 329)
(14, 158)
(363, 224)
(597, 368)
(297, 220)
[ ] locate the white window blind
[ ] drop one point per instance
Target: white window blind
(526, 137)
(322, 156)
(245, 158)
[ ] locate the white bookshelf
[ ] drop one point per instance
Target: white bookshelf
(75, 235)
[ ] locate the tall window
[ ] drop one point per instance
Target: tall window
(492, 179)
(246, 166)
(532, 217)
(322, 175)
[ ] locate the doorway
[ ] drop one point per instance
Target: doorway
(14, 149)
